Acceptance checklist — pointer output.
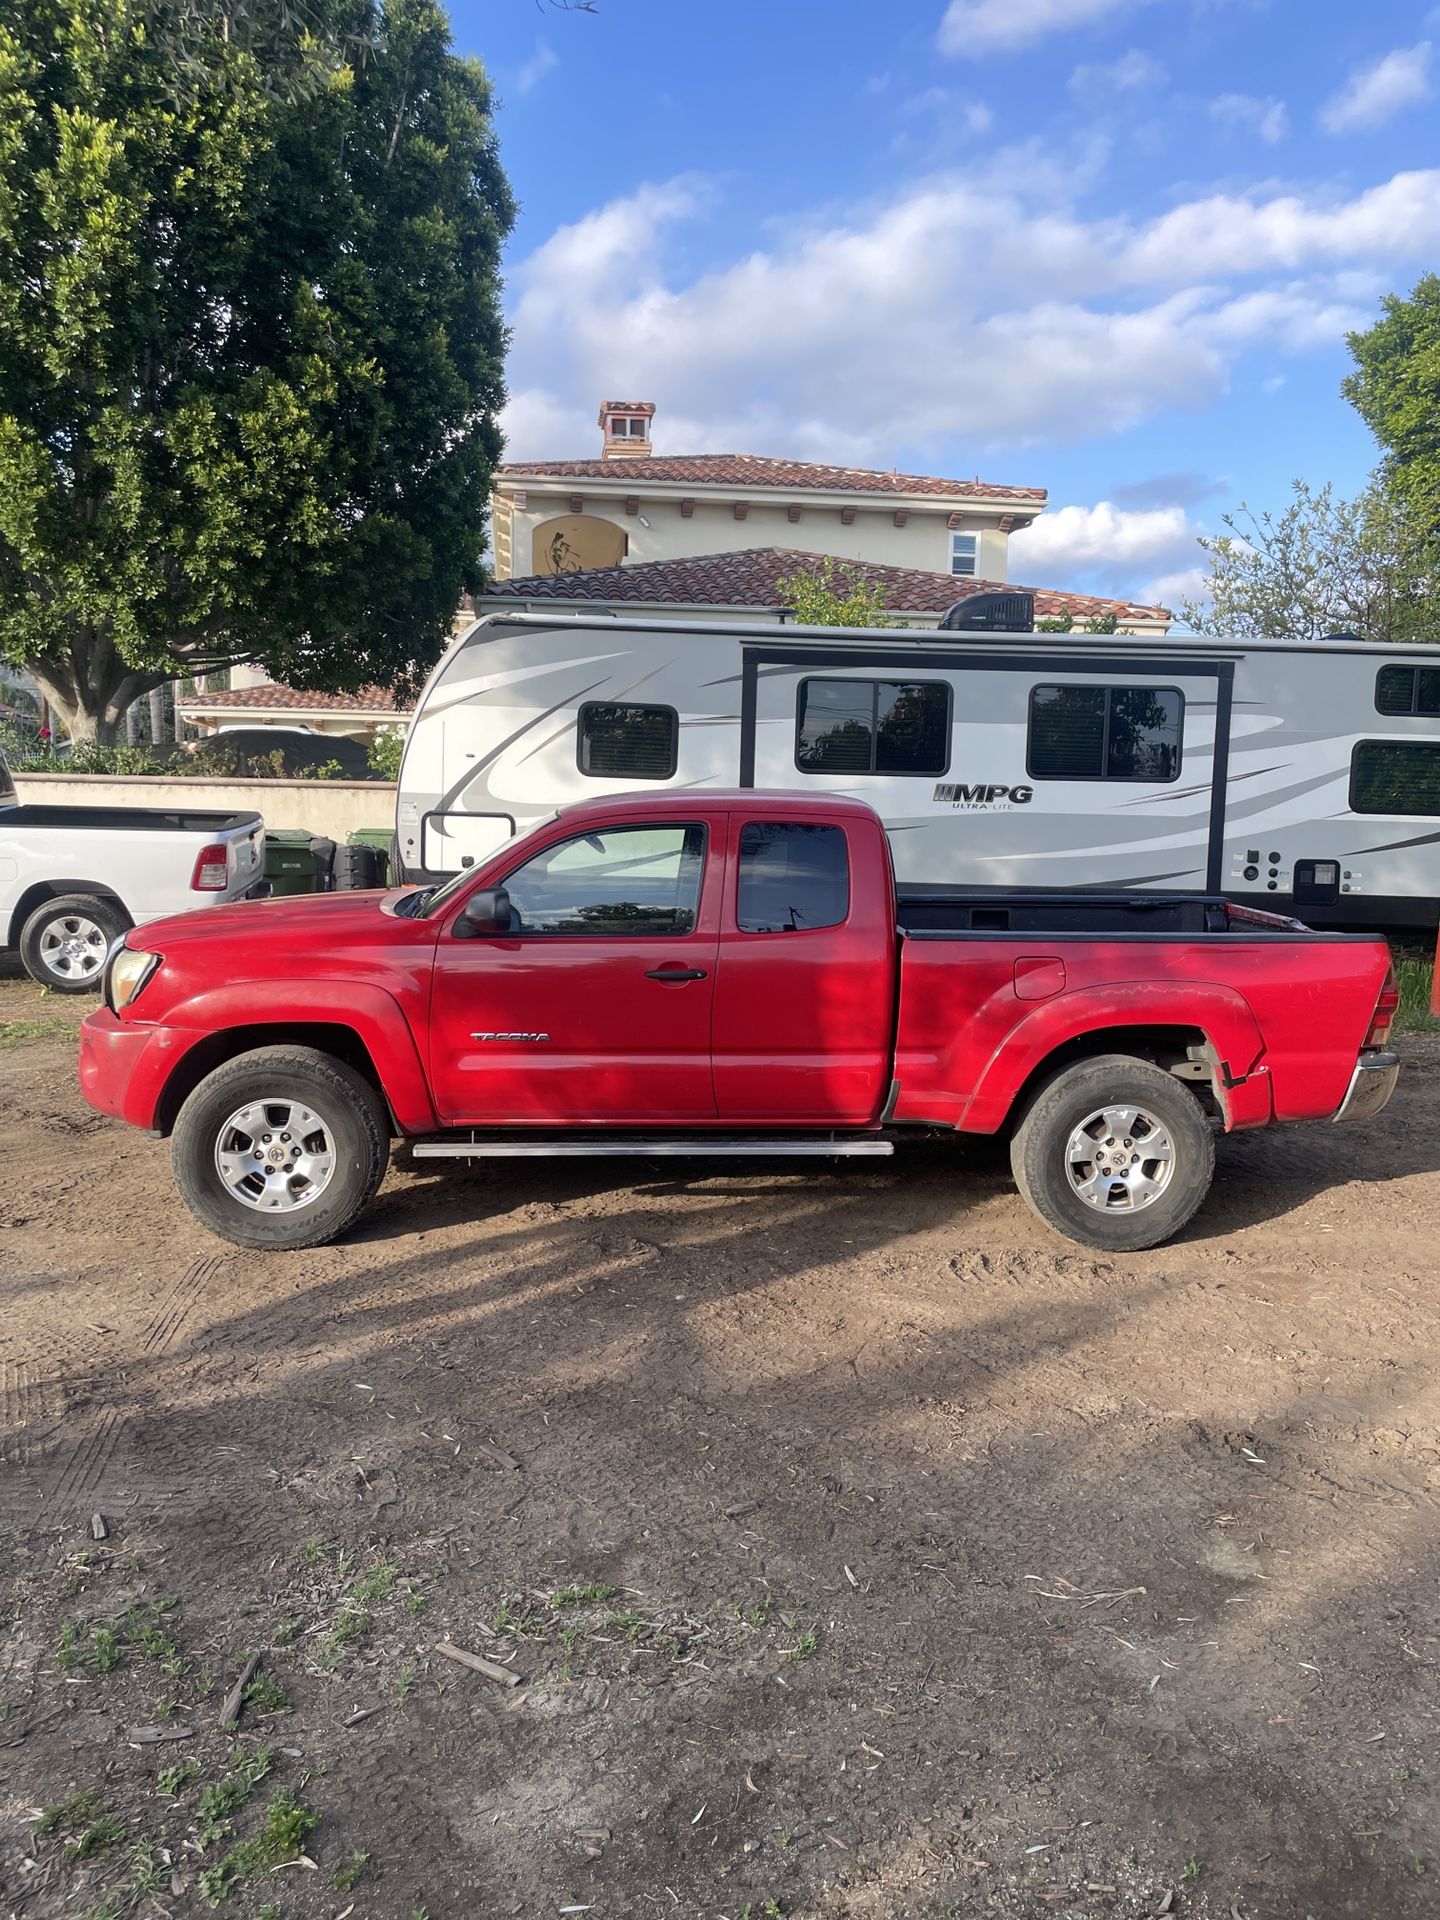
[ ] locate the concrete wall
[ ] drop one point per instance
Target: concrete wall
(337, 808)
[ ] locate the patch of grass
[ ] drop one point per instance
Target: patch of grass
(805, 1645)
(172, 1781)
(1191, 1872)
(286, 1633)
(354, 1618)
(1414, 971)
(107, 1831)
(281, 1838)
(759, 1614)
(344, 1878)
(404, 1681)
(231, 1790)
(314, 1550)
(266, 1696)
(149, 1877)
(95, 1648)
(14, 1033)
(587, 1596)
(630, 1624)
(69, 1814)
(515, 1618)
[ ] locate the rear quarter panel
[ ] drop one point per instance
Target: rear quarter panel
(1284, 1017)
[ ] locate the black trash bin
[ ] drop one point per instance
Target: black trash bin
(355, 868)
(323, 853)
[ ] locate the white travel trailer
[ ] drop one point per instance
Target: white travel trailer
(1292, 776)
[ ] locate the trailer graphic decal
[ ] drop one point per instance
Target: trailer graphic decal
(956, 794)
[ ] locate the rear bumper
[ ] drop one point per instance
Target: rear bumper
(1371, 1086)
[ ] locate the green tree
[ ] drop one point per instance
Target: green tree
(250, 348)
(1395, 388)
(1321, 566)
(834, 595)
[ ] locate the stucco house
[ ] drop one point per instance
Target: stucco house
(632, 505)
(709, 535)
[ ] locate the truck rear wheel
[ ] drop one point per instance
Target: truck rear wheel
(1115, 1153)
(280, 1147)
(65, 941)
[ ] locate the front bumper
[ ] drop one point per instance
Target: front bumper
(124, 1065)
(1371, 1086)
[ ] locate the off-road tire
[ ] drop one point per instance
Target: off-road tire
(107, 915)
(1039, 1147)
(352, 1111)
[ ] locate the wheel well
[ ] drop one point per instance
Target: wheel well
(342, 1043)
(1184, 1051)
(42, 890)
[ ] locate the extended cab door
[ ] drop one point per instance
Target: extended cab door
(805, 996)
(595, 1007)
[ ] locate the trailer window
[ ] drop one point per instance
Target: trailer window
(1105, 733)
(794, 878)
(1395, 776)
(873, 726)
(1407, 690)
(622, 741)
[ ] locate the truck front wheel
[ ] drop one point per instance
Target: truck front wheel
(1115, 1153)
(280, 1147)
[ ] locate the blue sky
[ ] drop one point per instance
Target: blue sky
(1108, 247)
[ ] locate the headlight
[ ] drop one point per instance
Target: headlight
(126, 974)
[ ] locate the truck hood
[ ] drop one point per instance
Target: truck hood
(293, 920)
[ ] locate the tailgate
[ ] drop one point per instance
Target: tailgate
(245, 856)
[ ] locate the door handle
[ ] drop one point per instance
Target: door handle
(676, 976)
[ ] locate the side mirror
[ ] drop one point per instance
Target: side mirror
(487, 911)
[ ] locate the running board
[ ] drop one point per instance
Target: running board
(690, 1146)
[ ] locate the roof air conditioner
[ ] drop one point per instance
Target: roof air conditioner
(991, 613)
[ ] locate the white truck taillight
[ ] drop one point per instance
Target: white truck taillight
(212, 870)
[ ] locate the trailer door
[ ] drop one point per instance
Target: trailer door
(1019, 769)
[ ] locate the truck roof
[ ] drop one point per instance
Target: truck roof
(691, 801)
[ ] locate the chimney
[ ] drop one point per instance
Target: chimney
(626, 425)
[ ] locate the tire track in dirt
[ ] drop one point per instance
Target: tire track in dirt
(24, 1405)
(85, 1467)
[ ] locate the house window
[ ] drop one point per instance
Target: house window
(1105, 733)
(1408, 690)
(1395, 776)
(794, 878)
(965, 553)
(873, 726)
(621, 741)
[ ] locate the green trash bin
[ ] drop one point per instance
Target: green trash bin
(289, 863)
(383, 841)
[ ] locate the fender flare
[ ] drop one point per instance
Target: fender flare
(371, 1013)
(1222, 1014)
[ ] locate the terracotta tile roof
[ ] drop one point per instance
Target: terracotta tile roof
(292, 700)
(756, 470)
(751, 578)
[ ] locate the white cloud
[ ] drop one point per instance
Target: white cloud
(967, 308)
(1246, 113)
(1174, 589)
(1131, 72)
(1374, 94)
(544, 60)
(972, 27)
(1070, 540)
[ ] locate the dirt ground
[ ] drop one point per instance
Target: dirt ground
(862, 1550)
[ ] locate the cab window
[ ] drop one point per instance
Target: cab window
(794, 877)
(640, 880)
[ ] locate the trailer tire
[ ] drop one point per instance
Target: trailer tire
(1080, 1158)
(65, 941)
(282, 1147)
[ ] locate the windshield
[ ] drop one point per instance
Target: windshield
(433, 900)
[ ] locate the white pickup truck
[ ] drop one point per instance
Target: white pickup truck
(73, 879)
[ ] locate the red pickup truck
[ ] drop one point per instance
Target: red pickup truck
(726, 973)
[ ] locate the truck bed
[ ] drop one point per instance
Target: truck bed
(122, 820)
(923, 912)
